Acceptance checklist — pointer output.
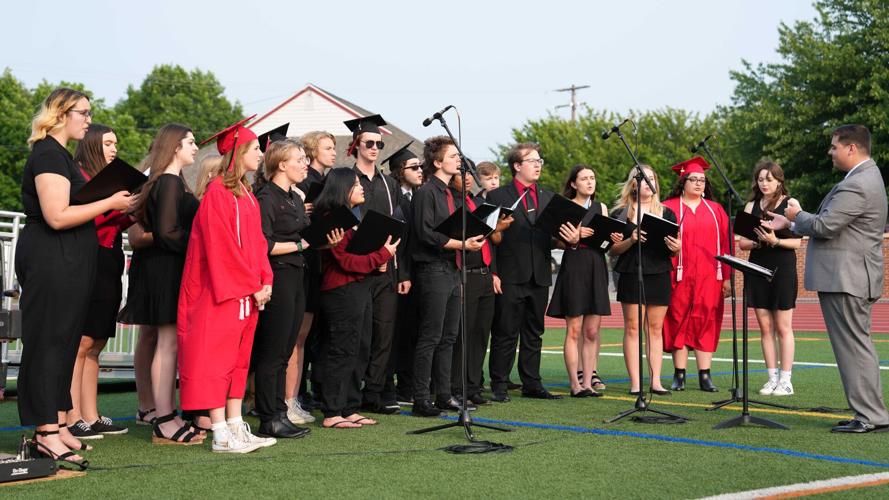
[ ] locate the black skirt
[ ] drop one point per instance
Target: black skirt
(101, 317)
(779, 294)
(657, 289)
(581, 286)
(153, 294)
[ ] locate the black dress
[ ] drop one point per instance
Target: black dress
(582, 284)
(153, 297)
(55, 269)
(780, 294)
(656, 268)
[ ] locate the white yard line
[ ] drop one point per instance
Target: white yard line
(811, 488)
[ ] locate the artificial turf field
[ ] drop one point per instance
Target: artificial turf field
(562, 448)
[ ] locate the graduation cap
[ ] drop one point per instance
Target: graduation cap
(276, 134)
(231, 137)
(397, 159)
(696, 165)
(361, 125)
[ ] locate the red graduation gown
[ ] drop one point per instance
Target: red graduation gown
(225, 264)
(694, 318)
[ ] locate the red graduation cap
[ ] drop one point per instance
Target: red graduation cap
(696, 165)
(231, 137)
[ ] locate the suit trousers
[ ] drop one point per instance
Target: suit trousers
(344, 347)
(848, 320)
(438, 301)
(479, 316)
(401, 361)
(385, 306)
(518, 319)
(275, 338)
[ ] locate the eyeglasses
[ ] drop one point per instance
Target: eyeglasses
(538, 161)
(371, 144)
(697, 180)
(304, 159)
(83, 112)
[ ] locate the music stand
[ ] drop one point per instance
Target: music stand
(748, 269)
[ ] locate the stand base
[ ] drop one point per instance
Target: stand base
(464, 421)
(641, 406)
(746, 418)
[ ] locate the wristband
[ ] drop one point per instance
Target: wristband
(299, 246)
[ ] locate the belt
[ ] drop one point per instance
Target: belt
(479, 270)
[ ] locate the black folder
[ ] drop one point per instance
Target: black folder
(656, 229)
(475, 226)
(373, 231)
(314, 190)
(557, 212)
(339, 218)
(507, 211)
(116, 176)
(602, 227)
(745, 224)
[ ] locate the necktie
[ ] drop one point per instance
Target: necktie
(408, 195)
(450, 197)
(486, 251)
(530, 205)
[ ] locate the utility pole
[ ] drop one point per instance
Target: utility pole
(573, 89)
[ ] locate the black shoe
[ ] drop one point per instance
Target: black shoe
(540, 394)
(280, 427)
(634, 393)
(706, 383)
(104, 425)
(513, 387)
(678, 380)
(500, 396)
(583, 393)
(478, 399)
(404, 399)
(82, 430)
(380, 408)
(471, 406)
(424, 408)
(451, 404)
(859, 427)
(660, 392)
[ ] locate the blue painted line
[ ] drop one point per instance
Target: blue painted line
(679, 440)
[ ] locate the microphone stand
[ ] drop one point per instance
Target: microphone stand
(735, 395)
(641, 404)
(465, 419)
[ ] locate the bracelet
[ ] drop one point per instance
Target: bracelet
(777, 243)
(299, 246)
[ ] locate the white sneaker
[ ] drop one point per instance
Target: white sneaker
(784, 388)
(242, 431)
(224, 441)
(769, 387)
(296, 414)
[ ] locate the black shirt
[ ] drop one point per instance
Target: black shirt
(430, 208)
(653, 261)
(474, 260)
(170, 211)
(380, 193)
(283, 217)
(313, 177)
(47, 157)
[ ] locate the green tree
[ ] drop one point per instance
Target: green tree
(18, 109)
(834, 70)
(171, 94)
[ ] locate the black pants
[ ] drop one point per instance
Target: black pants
(385, 306)
(438, 302)
(518, 318)
(344, 347)
(479, 316)
(56, 270)
(401, 361)
(275, 338)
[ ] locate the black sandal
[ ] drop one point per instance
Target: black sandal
(140, 416)
(39, 449)
(83, 446)
(182, 437)
(596, 382)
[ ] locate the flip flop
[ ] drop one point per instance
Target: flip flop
(338, 425)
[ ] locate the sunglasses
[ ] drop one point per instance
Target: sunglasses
(371, 144)
(415, 167)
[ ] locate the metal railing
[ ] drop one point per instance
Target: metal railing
(118, 351)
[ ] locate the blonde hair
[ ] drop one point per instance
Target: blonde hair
(275, 154)
(312, 140)
(53, 114)
(627, 197)
(235, 178)
(206, 171)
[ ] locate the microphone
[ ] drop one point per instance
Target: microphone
(436, 116)
(700, 145)
(607, 133)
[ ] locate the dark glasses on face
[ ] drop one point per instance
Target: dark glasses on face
(414, 167)
(371, 144)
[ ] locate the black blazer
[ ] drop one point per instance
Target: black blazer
(404, 212)
(523, 255)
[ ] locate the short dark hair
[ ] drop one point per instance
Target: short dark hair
(434, 150)
(517, 153)
(337, 189)
(855, 134)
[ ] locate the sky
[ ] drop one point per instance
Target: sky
(498, 62)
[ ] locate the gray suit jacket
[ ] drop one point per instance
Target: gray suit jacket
(846, 236)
